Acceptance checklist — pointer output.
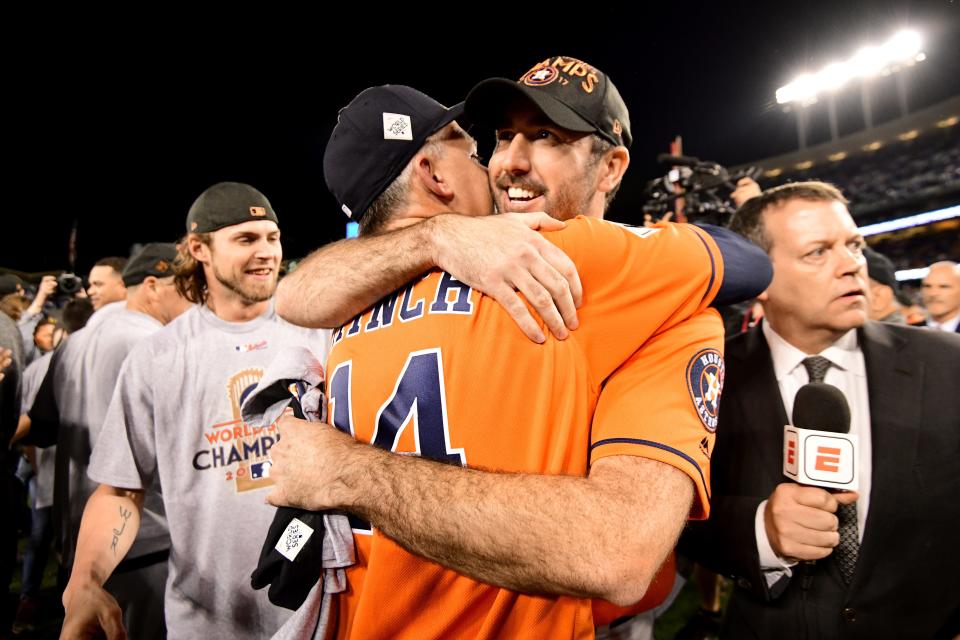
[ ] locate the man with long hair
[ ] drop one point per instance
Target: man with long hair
(174, 425)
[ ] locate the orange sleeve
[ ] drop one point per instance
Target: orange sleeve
(637, 281)
(662, 403)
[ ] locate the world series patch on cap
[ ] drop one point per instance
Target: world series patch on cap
(571, 93)
(226, 204)
(376, 135)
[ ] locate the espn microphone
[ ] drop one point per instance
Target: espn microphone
(818, 449)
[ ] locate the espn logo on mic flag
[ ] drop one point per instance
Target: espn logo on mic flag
(820, 458)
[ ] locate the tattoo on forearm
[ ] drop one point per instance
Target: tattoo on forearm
(124, 516)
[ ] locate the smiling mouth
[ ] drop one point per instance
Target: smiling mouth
(519, 194)
(260, 272)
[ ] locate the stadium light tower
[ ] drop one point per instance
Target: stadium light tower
(901, 51)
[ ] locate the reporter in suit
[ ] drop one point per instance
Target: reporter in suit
(895, 574)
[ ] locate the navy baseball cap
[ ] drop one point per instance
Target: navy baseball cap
(570, 92)
(376, 135)
(226, 204)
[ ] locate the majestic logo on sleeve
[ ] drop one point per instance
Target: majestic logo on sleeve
(238, 450)
(705, 374)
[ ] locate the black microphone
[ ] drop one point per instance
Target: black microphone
(818, 449)
(821, 406)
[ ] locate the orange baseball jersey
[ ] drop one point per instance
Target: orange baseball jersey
(441, 371)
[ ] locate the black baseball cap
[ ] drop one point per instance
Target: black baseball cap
(226, 204)
(376, 135)
(570, 92)
(154, 259)
(881, 269)
(9, 283)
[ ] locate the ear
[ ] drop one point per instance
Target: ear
(430, 175)
(763, 297)
(198, 249)
(150, 282)
(612, 168)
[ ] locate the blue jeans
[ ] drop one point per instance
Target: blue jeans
(37, 551)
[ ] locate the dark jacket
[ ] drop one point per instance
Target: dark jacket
(907, 579)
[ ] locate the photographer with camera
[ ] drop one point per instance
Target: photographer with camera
(698, 191)
(30, 321)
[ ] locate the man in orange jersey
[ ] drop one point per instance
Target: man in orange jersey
(543, 527)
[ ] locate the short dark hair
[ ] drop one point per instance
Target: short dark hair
(114, 262)
(386, 204)
(598, 148)
(394, 197)
(748, 220)
(76, 313)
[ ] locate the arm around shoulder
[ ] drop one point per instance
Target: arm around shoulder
(498, 255)
(340, 280)
(601, 536)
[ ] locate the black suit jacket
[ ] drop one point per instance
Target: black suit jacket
(907, 579)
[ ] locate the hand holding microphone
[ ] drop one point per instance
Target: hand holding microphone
(820, 454)
(801, 522)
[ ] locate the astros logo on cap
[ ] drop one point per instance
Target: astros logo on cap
(538, 77)
(705, 373)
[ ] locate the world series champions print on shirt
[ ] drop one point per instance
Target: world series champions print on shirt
(175, 420)
(238, 450)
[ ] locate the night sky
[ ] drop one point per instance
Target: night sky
(120, 129)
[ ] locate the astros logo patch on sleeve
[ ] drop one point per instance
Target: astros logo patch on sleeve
(705, 373)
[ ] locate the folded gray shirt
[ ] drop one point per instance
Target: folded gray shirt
(295, 373)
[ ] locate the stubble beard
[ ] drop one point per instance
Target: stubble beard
(249, 294)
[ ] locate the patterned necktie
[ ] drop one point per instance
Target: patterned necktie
(816, 367)
(845, 554)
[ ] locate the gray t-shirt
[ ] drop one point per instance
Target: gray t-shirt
(32, 377)
(10, 386)
(175, 417)
(84, 375)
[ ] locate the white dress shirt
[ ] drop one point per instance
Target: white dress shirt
(946, 325)
(849, 374)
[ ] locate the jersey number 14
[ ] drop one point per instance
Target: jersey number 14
(418, 401)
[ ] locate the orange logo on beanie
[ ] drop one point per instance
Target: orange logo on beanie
(162, 266)
(258, 211)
